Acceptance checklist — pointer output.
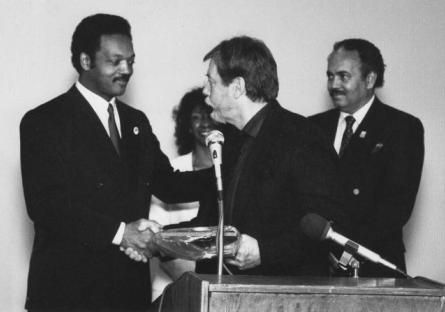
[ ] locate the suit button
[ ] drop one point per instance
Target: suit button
(147, 184)
(356, 191)
(100, 184)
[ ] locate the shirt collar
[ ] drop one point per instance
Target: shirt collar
(360, 114)
(97, 102)
(253, 126)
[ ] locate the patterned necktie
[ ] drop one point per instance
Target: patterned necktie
(347, 135)
(114, 134)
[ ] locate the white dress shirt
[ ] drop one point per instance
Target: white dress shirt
(100, 107)
(341, 125)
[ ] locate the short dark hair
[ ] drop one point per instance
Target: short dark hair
(185, 141)
(86, 37)
(370, 56)
(250, 59)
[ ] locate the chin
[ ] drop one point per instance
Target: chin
(339, 104)
(119, 92)
(217, 116)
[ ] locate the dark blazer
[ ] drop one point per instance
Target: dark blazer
(380, 170)
(77, 191)
(287, 174)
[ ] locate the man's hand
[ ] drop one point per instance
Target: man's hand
(248, 255)
(137, 240)
(145, 224)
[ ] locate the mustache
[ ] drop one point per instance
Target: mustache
(125, 78)
(336, 92)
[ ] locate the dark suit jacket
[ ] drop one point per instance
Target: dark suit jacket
(380, 170)
(287, 174)
(77, 191)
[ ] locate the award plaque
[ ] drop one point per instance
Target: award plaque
(196, 243)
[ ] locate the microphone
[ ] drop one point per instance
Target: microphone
(318, 228)
(215, 140)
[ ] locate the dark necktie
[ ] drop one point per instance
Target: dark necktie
(114, 134)
(347, 135)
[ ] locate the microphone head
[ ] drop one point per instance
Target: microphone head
(315, 227)
(214, 136)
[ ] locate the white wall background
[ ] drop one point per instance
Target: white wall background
(170, 39)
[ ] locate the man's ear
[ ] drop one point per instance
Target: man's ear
(85, 61)
(371, 78)
(239, 87)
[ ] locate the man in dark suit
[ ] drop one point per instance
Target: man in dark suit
(89, 166)
(275, 166)
(380, 152)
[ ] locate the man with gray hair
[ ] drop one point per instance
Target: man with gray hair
(276, 167)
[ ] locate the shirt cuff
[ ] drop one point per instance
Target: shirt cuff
(119, 234)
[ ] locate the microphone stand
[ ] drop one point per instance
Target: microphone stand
(220, 231)
(318, 228)
(214, 141)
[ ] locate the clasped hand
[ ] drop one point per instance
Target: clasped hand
(248, 254)
(137, 241)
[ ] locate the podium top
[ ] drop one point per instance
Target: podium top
(321, 285)
(211, 293)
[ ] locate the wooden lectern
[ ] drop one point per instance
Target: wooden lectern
(208, 293)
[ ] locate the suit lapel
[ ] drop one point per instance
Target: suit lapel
(369, 131)
(89, 128)
(131, 143)
(331, 123)
(129, 130)
(259, 159)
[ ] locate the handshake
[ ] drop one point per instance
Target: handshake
(138, 244)
(137, 241)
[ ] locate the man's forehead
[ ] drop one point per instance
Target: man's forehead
(212, 71)
(343, 59)
(116, 44)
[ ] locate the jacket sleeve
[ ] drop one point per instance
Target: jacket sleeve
(174, 186)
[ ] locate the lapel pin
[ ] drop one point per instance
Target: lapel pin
(362, 134)
(136, 130)
(377, 148)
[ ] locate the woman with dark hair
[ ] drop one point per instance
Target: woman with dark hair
(193, 123)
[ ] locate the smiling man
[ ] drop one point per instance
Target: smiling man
(89, 166)
(380, 151)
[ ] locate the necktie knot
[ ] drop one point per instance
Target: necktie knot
(349, 121)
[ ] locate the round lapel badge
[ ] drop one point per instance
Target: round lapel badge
(136, 130)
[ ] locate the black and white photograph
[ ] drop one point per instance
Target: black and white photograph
(203, 155)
